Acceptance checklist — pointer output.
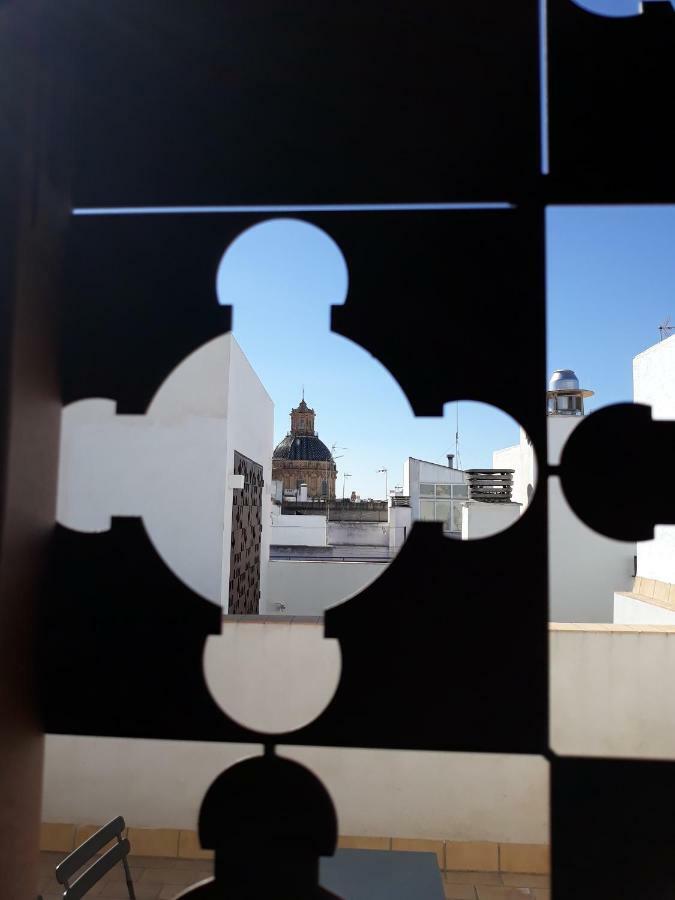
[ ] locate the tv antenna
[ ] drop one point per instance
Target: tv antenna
(665, 328)
(458, 458)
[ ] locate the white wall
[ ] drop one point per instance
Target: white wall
(167, 466)
(558, 429)
(512, 458)
(521, 458)
(480, 520)
(654, 378)
(611, 690)
(629, 610)
(656, 558)
(611, 694)
(284, 673)
(654, 385)
(151, 783)
(373, 534)
(456, 796)
(308, 587)
(160, 784)
(255, 670)
(170, 465)
(585, 568)
(250, 431)
(400, 523)
(298, 531)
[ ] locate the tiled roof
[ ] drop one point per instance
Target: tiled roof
(302, 446)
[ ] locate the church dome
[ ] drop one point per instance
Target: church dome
(302, 447)
(302, 460)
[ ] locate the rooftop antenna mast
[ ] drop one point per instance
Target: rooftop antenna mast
(333, 448)
(457, 456)
(665, 328)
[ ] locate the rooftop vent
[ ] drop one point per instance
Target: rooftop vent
(490, 485)
(400, 500)
(564, 397)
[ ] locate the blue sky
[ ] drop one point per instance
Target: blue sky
(611, 281)
(612, 7)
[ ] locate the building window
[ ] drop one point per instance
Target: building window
(324, 488)
(443, 503)
(427, 511)
(442, 511)
(456, 517)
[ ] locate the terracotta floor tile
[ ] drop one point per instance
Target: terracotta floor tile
(472, 878)
(517, 879)
(170, 891)
(117, 873)
(156, 862)
(505, 892)
(459, 892)
(198, 865)
(167, 876)
(142, 891)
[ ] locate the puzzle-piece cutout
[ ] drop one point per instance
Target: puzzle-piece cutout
(391, 257)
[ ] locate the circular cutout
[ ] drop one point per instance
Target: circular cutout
(490, 478)
(272, 676)
(612, 9)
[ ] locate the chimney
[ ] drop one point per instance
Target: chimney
(451, 460)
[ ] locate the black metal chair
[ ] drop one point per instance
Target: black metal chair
(83, 854)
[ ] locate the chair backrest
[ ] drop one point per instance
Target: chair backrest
(83, 854)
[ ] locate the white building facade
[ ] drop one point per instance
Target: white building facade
(652, 598)
(585, 568)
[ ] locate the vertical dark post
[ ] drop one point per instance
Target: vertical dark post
(32, 214)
